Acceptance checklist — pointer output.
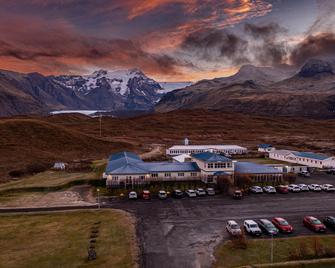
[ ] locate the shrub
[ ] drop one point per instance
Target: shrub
(17, 173)
(37, 168)
(224, 184)
(243, 181)
(240, 242)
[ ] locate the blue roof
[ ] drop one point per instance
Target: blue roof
(128, 163)
(311, 155)
(127, 155)
(264, 145)
(211, 157)
(253, 168)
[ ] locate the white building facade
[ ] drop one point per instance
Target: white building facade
(304, 158)
(195, 149)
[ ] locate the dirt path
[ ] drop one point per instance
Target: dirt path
(157, 150)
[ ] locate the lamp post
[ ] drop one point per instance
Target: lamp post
(271, 248)
(98, 190)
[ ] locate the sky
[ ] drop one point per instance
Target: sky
(169, 40)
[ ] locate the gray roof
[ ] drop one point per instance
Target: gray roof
(311, 155)
(211, 157)
(125, 163)
(253, 168)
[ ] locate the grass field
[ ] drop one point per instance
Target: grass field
(61, 239)
(47, 179)
(258, 251)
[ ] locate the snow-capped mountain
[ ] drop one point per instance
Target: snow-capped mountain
(115, 90)
(118, 81)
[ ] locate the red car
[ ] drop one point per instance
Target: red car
(282, 189)
(282, 225)
(314, 224)
(146, 195)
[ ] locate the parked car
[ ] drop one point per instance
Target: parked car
(191, 193)
(210, 191)
(256, 189)
(303, 187)
(283, 189)
(162, 194)
(237, 194)
(178, 193)
(330, 171)
(268, 227)
(269, 189)
(200, 192)
(329, 221)
(304, 174)
(146, 195)
(132, 195)
(314, 224)
(294, 188)
(328, 187)
(315, 187)
(282, 225)
(252, 228)
(233, 228)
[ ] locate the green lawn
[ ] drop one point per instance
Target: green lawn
(61, 239)
(47, 179)
(258, 250)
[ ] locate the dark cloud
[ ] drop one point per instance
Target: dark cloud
(313, 46)
(268, 49)
(212, 44)
(59, 43)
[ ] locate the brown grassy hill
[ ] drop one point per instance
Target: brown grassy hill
(30, 141)
(68, 137)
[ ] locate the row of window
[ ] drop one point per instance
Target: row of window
(155, 175)
(219, 165)
(190, 151)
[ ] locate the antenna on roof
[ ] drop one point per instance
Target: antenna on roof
(100, 119)
(186, 141)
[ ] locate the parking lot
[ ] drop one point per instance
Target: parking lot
(183, 232)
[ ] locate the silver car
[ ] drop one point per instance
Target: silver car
(269, 189)
(303, 187)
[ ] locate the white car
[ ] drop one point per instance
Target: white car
(191, 193)
(200, 192)
(328, 187)
(233, 228)
(294, 188)
(269, 189)
(210, 191)
(315, 187)
(162, 194)
(252, 228)
(256, 189)
(303, 187)
(132, 195)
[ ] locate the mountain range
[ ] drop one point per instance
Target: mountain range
(123, 90)
(282, 90)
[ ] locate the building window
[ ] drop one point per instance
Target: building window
(167, 174)
(194, 174)
(115, 178)
(154, 175)
(210, 165)
(180, 174)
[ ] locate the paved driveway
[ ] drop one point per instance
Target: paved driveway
(183, 233)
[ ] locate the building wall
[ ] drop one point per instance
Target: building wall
(263, 178)
(298, 160)
(115, 179)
